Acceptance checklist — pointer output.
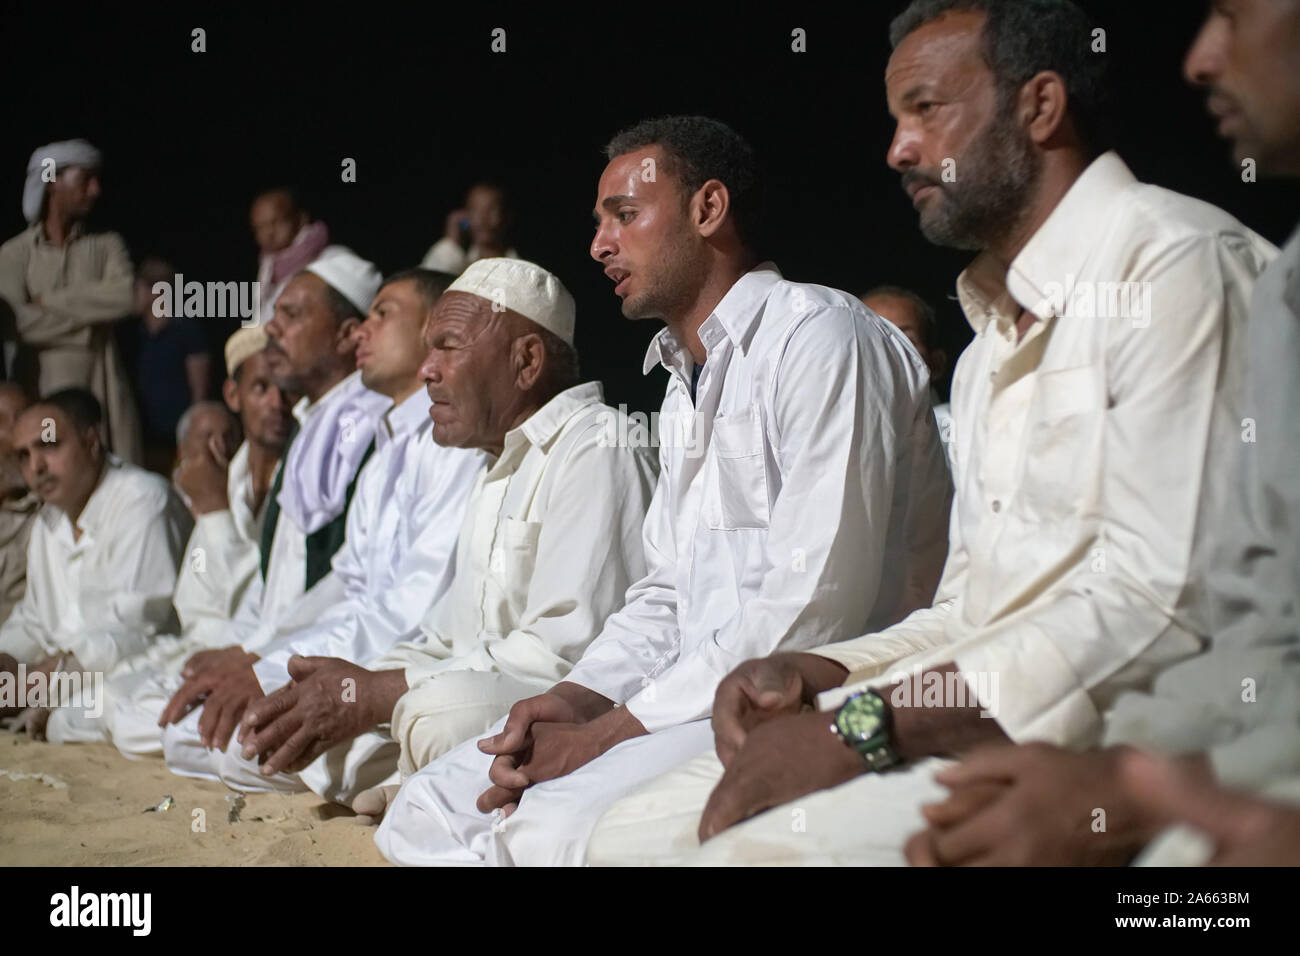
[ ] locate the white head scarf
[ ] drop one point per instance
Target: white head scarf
(72, 152)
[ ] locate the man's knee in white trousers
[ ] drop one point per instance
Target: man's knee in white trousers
(246, 776)
(185, 753)
(433, 820)
(657, 824)
(343, 772)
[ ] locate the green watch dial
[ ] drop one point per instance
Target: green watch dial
(862, 722)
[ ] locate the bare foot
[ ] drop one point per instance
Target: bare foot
(371, 805)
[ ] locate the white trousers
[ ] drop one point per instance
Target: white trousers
(135, 693)
(430, 719)
(864, 822)
(433, 819)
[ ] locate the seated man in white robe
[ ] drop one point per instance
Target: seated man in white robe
(1229, 718)
(802, 495)
(311, 351)
(1084, 435)
(101, 563)
(398, 555)
(549, 545)
(228, 502)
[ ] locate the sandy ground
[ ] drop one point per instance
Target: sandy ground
(89, 811)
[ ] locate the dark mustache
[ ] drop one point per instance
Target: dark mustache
(911, 176)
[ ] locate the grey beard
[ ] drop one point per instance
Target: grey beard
(977, 211)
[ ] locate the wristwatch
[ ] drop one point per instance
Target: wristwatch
(863, 723)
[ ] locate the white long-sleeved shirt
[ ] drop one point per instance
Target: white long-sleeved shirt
(1240, 702)
(550, 543)
(802, 495)
(105, 595)
(281, 602)
(446, 255)
(1080, 456)
(221, 559)
(399, 553)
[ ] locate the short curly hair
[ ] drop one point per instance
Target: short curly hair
(1025, 37)
(697, 149)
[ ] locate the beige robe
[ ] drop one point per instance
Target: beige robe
(67, 340)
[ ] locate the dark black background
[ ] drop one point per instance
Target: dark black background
(414, 95)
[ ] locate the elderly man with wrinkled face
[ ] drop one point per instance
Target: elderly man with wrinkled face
(549, 544)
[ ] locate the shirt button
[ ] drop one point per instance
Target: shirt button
(997, 506)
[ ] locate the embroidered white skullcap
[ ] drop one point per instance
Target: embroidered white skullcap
(349, 275)
(522, 287)
(245, 342)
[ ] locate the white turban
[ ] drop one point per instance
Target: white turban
(349, 275)
(522, 287)
(72, 152)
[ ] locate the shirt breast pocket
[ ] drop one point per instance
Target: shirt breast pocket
(514, 562)
(737, 496)
(1063, 451)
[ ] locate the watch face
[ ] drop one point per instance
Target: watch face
(861, 717)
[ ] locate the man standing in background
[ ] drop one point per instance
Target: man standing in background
(65, 286)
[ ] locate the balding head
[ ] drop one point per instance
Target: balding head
(202, 424)
(488, 370)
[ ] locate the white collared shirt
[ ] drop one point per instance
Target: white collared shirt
(102, 596)
(222, 559)
(802, 496)
(398, 556)
(278, 601)
(550, 543)
(1077, 544)
(1239, 702)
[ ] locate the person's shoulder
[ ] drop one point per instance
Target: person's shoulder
(134, 485)
(602, 433)
(1156, 217)
(23, 240)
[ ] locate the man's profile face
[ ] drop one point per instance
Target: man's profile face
(59, 462)
(206, 424)
(467, 371)
(487, 214)
(274, 221)
(643, 236)
(302, 335)
(966, 165)
(390, 343)
(1247, 56)
(75, 189)
(262, 407)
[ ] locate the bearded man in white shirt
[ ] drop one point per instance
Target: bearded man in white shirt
(398, 556)
(228, 501)
(101, 562)
(1226, 719)
(549, 545)
(311, 350)
(1083, 437)
(802, 495)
